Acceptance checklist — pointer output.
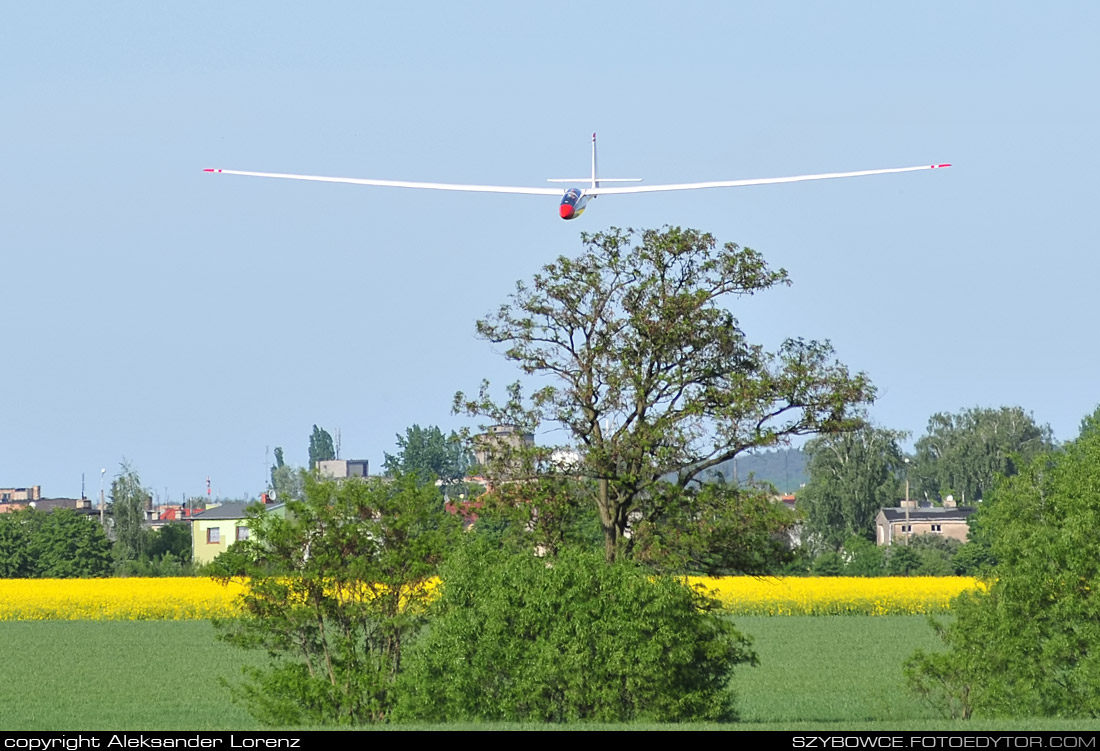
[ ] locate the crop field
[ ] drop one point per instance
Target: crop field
(815, 672)
(199, 598)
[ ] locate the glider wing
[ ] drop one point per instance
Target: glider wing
(756, 181)
(401, 183)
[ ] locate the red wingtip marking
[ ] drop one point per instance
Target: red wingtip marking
(209, 170)
(934, 166)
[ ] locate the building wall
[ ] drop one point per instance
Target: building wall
(20, 495)
(341, 468)
(888, 532)
(203, 551)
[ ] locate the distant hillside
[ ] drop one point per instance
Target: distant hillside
(783, 468)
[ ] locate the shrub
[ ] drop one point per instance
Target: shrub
(1030, 645)
(336, 588)
(519, 638)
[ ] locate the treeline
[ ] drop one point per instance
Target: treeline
(961, 456)
(63, 544)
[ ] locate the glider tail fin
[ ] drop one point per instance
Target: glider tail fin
(594, 180)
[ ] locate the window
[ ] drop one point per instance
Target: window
(242, 533)
(906, 527)
(937, 528)
(213, 536)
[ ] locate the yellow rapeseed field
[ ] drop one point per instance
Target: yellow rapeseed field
(746, 595)
(197, 598)
(135, 599)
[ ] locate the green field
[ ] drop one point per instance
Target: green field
(823, 672)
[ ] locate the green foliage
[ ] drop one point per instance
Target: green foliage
(17, 529)
(429, 455)
(167, 553)
(713, 529)
(518, 638)
(546, 514)
(286, 481)
(173, 539)
(1031, 643)
(67, 544)
(321, 447)
(649, 373)
(61, 544)
(864, 558)
(829, 563)
(972, 559)
(902, 560)
(935, 553)
(129, 500)
(337, 588)
(962, 454)
(852, 476)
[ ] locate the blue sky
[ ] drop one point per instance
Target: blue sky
(192, 322)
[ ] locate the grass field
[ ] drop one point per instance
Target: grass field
(816, 672)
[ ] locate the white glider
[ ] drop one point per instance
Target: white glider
(574, 200)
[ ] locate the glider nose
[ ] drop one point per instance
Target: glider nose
(566, 211)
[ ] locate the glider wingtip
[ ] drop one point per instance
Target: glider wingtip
(938, 166)
(211, 169)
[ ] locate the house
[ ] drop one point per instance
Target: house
(339, 469)
(20, 495)
(215, 529)
(502, 443)
(897, 525)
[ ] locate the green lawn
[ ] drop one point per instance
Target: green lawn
(824, 672)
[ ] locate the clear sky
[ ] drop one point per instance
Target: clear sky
(193, 322)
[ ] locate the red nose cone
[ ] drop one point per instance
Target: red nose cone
(566, 211)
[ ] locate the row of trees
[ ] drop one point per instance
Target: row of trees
(854, 474)
(64, 543)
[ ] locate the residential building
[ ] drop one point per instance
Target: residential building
(339, 469)
(20, 495)
(498, 442)
(215, 529)
(898, 525)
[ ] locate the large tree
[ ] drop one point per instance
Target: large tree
(129, 499)
(321, 447)
(962, 453)
(852, 476)
(430, 455)
(649, 372)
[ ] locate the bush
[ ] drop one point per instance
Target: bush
(337, 587)
(864, 558)
(520, 638)
(1030, 643)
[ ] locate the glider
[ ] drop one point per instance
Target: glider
(574, 199)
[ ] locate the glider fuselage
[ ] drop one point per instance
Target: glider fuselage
(572, 203)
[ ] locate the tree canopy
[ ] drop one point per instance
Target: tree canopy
(286, 481)
(852, 476)
(961, 454)
(649, 372)
(429, 455)
(321, 447)
(128, 501)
